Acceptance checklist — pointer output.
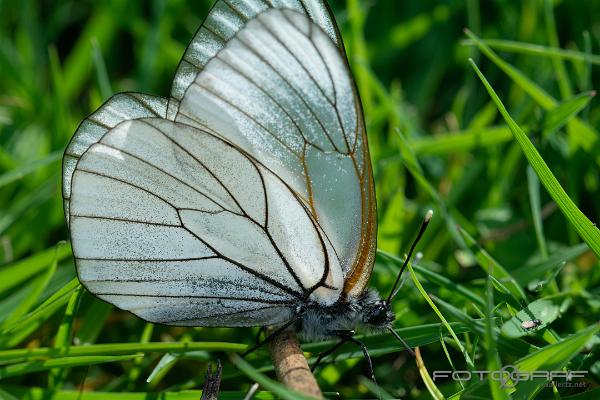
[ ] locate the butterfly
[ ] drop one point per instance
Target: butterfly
(246, 198)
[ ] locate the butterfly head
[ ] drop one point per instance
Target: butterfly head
(379, 315)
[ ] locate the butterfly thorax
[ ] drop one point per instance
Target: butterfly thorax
(364, 312)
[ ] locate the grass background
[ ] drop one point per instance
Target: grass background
(503, 236)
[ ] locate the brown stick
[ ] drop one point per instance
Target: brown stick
(291, 366)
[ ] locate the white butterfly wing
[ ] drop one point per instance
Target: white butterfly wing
(281, 90)
(174, 223)
(225, 19)
(120, 107)
(180, 227)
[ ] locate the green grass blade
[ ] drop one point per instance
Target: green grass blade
(586, 136)
(264, 381)
(37, 285)
(591, 394)
(66, 362)
(93, 321)
(531, 49)
(440, 316)
(29, 168)
(60, 103)
(437, 279)
(411, 163)
(11, 216)
(584, 227)
(485, 260)
(64, 333)
(16, 333)
(536, 270)
(545, 310)
(511, 346)
(559, 67)
(164, 365)
(14, 274)
(463, 141)
(538, 94)
(551, 358)
(491, 339)
(114, 349)
(429, 384)
(77, 66)
(101, 73)
(136, 370)
(533, 186)
(374, 388)
(382, 344)
(37, 393)
(62, 340)
(565, 111)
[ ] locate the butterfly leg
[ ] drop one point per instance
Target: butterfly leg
(366, 355)
(261, 330)
(271, 336)
(324, 354)
(344, 337)
(348, 336)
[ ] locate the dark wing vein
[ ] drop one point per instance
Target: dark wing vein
(309, 74)
(145, 105)
(206, 168)
(242, 266)
(142, 189)
(247, 115)
(170, 175)
(334, 101)
(157, 260)
(222, 256)
(186, 296)
(292, 86)
(251, 81)
(226, 314)
(235, 10)
(119, 219)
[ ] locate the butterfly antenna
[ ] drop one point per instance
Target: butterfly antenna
(412, 248)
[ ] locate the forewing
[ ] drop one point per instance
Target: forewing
(225, 19)
(180, 227)
(280, 89)
(121, 107)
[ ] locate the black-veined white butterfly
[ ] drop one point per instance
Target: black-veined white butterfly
(246, 198)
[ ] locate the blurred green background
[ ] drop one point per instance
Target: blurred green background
(437, 141)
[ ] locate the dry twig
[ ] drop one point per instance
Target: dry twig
(291, 366)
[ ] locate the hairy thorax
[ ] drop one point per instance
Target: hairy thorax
(318, 322)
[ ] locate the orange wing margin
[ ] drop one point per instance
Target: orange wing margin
(358, 276)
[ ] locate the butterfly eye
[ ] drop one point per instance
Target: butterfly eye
(380, 314)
